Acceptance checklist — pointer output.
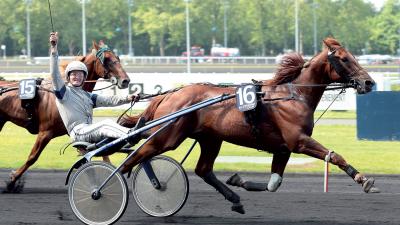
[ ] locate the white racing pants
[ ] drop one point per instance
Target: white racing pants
(98, 131)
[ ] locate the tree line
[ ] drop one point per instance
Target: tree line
(256, 27)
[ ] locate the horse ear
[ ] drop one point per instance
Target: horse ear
(326, 44)
(82, 59)
(101, 43)
(95, 46)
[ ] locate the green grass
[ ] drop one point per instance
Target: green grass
(113, 112)
(395, 87)
(366, 156)
(333, 114)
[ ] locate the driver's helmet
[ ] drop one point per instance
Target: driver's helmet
(76, 65)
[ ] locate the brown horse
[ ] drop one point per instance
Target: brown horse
(284, 126)
(43, 117)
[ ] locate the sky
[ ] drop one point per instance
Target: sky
(377, 3)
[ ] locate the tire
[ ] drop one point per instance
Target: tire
(114, 195)
(174, 192)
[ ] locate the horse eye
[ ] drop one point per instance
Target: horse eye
(345, 60)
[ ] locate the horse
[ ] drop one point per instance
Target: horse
(42, 118)
(284, 126)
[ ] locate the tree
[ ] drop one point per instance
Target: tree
(386, 29)
(157, 18)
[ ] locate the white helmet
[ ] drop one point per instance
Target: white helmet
(76, 65)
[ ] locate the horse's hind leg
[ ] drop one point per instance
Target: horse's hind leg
(309, 146)
(42, 140)
(279, 162)
(204, 169)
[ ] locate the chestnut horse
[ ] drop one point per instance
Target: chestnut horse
(285, 126)
(43, 119)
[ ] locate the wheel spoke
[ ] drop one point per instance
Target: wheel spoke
(171, 197)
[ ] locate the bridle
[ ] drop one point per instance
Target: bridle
(345, 75)
(100, 58)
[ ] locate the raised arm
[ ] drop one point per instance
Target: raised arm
(58, 82)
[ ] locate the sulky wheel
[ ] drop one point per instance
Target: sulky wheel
(166, 199)
(103, 208)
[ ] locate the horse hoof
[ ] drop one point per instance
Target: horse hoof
(15, 187)
(368, 185)
(234, 180)
(237, 207)
(374, 190)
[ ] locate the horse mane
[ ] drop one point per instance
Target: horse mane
(289, 68)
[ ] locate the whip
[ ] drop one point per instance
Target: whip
(51, 17)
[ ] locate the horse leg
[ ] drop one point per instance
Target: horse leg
(41, 141)
(204, 169)
(279, 162)
(310, 147)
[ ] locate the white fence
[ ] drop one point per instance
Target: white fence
(144, 60)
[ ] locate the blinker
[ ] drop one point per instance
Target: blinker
(337, 66)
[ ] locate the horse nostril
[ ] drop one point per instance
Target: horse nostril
(125, 83)
(369, 83)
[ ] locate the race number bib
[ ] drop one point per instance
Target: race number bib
(246, 98)
(27, 89)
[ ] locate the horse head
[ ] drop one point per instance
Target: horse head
(107, 65)
(344, 68)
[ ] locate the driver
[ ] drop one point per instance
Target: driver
(75, 105)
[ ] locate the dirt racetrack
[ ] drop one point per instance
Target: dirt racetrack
(299, 200)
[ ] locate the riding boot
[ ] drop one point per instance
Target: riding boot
(136, 138)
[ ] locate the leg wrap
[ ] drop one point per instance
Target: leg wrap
(351, 171)
(221, 188)
(274, 182)
(254, 186)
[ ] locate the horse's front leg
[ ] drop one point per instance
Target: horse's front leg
(309, 146)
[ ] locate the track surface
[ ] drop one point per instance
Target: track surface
(300, 200)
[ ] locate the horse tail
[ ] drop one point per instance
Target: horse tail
(147, 114)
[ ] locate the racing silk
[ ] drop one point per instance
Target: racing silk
(74, 104)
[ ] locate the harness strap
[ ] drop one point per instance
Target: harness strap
(290, 97)
(252, 116)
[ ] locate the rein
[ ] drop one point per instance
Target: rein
(104, 80)
(5, 90)
(341, 92)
